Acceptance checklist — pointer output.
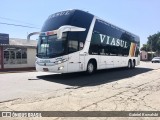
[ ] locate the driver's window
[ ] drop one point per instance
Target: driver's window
(73, 42)
(72, 46)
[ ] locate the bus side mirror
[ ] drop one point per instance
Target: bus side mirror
(29, 35)
(61, 30)
(66, 28)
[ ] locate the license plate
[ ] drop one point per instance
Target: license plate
(45, 69)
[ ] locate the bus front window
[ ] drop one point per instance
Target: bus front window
(50, 46)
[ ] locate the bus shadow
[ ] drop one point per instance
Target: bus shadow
(98, 78)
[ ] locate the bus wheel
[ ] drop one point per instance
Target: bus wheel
(133, 64)
(90, 68)
(129, 64)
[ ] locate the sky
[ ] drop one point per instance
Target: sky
(140, 17)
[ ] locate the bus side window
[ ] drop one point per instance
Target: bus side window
(72, 46)
(72, 42)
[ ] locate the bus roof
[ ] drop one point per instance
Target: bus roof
(109, 24)
(69, 13)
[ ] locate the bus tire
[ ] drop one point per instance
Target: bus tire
(133, 64)
(129, 64)
(90, 67)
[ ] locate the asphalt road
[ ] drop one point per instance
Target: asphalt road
(28, 84)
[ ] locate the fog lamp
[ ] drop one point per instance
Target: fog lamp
(59, 62)
(60, 68)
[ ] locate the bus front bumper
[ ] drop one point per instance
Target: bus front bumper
(62, 68)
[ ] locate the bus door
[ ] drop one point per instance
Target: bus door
(82, 56)
(73, 56)
(73, 62)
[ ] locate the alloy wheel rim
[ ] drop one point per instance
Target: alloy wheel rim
(90, 67)
(129, 64)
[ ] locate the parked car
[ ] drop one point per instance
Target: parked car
(156, 60)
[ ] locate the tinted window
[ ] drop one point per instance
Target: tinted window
(74, 18)
(114, 34)
(94, 45)
(57, 20)
(72, 46)
(81, 19)
(50, 46)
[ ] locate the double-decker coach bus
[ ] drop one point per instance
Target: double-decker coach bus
(74, 40)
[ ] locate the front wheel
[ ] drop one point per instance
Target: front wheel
(90, 68)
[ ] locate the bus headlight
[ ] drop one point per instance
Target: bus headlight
(60, 68)
(59, 62)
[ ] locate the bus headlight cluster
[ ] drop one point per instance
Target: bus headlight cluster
(60, 68)
(59, 62)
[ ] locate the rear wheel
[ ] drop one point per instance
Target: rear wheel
(133, 64)
(129, 64)
(90, 68)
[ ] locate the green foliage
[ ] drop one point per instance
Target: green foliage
(154, 42)
(145, 47)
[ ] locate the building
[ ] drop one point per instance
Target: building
(147, 56)
(17, 54)
(144, 56)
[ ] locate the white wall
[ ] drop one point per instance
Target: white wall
(31, 56)
(144, 55)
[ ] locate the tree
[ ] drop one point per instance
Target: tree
(154, 42)
(145, 47)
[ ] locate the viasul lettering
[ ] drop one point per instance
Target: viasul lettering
(112, 41)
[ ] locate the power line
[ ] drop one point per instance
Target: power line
(16, 20)
(18, 25)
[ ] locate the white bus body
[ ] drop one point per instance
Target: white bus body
(106, 47)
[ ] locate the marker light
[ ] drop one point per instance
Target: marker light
(51, 32)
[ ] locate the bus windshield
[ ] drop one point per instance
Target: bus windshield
(50, 46)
